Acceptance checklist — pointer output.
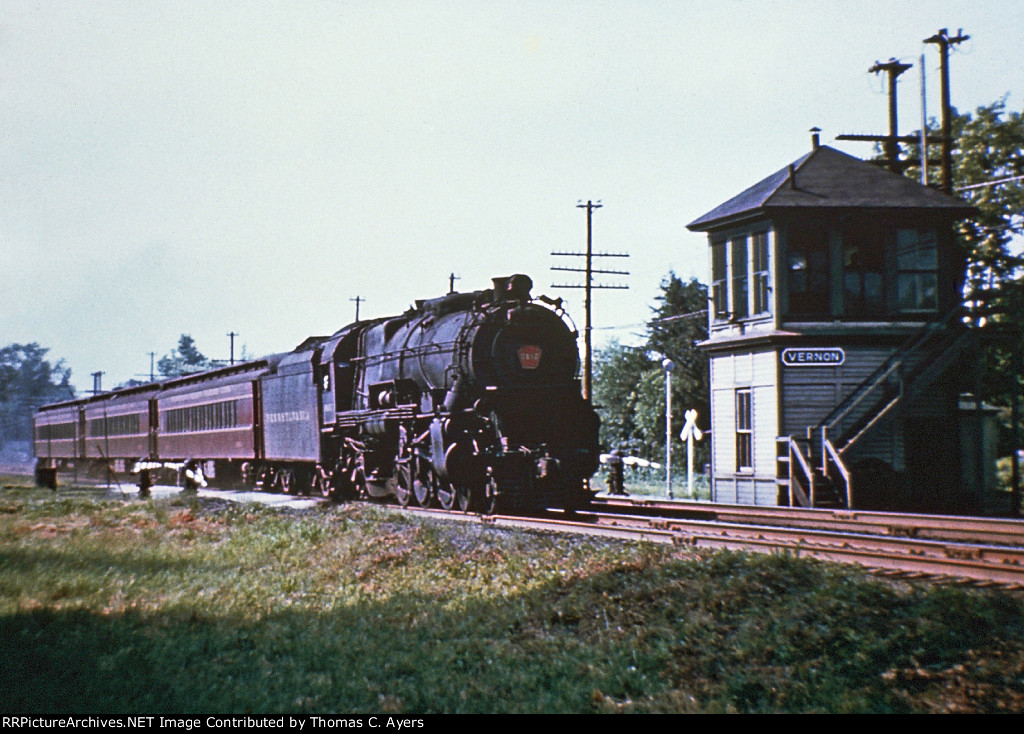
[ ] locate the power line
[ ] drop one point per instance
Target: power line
(989, 183)
(679, 317)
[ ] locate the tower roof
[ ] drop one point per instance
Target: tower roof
(827, 178)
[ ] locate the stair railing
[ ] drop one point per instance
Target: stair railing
(881, 379)
(832, 464)
(796, 492)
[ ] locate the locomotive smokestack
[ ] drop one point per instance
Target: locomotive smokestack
(500, 286)
(515, 288)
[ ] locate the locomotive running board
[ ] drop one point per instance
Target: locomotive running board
(353, 418)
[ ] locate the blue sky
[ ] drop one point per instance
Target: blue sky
(208, 167)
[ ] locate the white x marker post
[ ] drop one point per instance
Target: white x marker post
(690, 433)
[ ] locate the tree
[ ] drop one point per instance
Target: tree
(183, 360)
(988, 163)
(680, 323)
(988, 172)
(27, 381)
(629, 382)
(618, 373)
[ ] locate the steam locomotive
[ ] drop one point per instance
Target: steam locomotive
(470, 400)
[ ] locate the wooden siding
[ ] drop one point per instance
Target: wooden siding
(810, 393)
(758, 372)
(884, 442)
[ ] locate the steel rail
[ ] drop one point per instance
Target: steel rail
(974, 563)
(999, 531)
(846, 540)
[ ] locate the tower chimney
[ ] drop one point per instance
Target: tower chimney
(815, 138)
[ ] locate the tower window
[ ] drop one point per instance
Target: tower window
(744, 431)
(719, 280)
(759, 262)
(917, 280)
(863, 269)
(740, 308)
(809, 275)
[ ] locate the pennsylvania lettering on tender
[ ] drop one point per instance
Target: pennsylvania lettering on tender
(289, 416)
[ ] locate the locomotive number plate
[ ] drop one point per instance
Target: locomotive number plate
(529, 357)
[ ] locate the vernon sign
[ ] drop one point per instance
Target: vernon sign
(813, 357)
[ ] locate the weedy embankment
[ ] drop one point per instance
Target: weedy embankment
(186, 606)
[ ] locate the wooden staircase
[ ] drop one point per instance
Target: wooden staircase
(811, 470)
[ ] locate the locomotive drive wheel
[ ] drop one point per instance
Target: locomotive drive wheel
(403, 485)
(423, 487)
(490, 498)
(445, 494)
(348, 480)
(469, 499)
(362, 492)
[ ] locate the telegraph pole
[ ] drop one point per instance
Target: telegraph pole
(589, 287)
(232, 335)
(943, 41)
(890, 142)
(357, 301)
(892, 148)
(924, 128)
(668, 365)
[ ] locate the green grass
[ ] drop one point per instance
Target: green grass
(189, 606)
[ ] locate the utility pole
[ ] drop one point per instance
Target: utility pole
(924, 128)
(892, 148)
(451, 282)
(668, 365)
(589, 287)
(232, 335)
(152, 370)
(943, 41)
(891, 142)
(357, 301)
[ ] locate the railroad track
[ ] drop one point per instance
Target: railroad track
(983, 530)
(980, 564)
(980, 551)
